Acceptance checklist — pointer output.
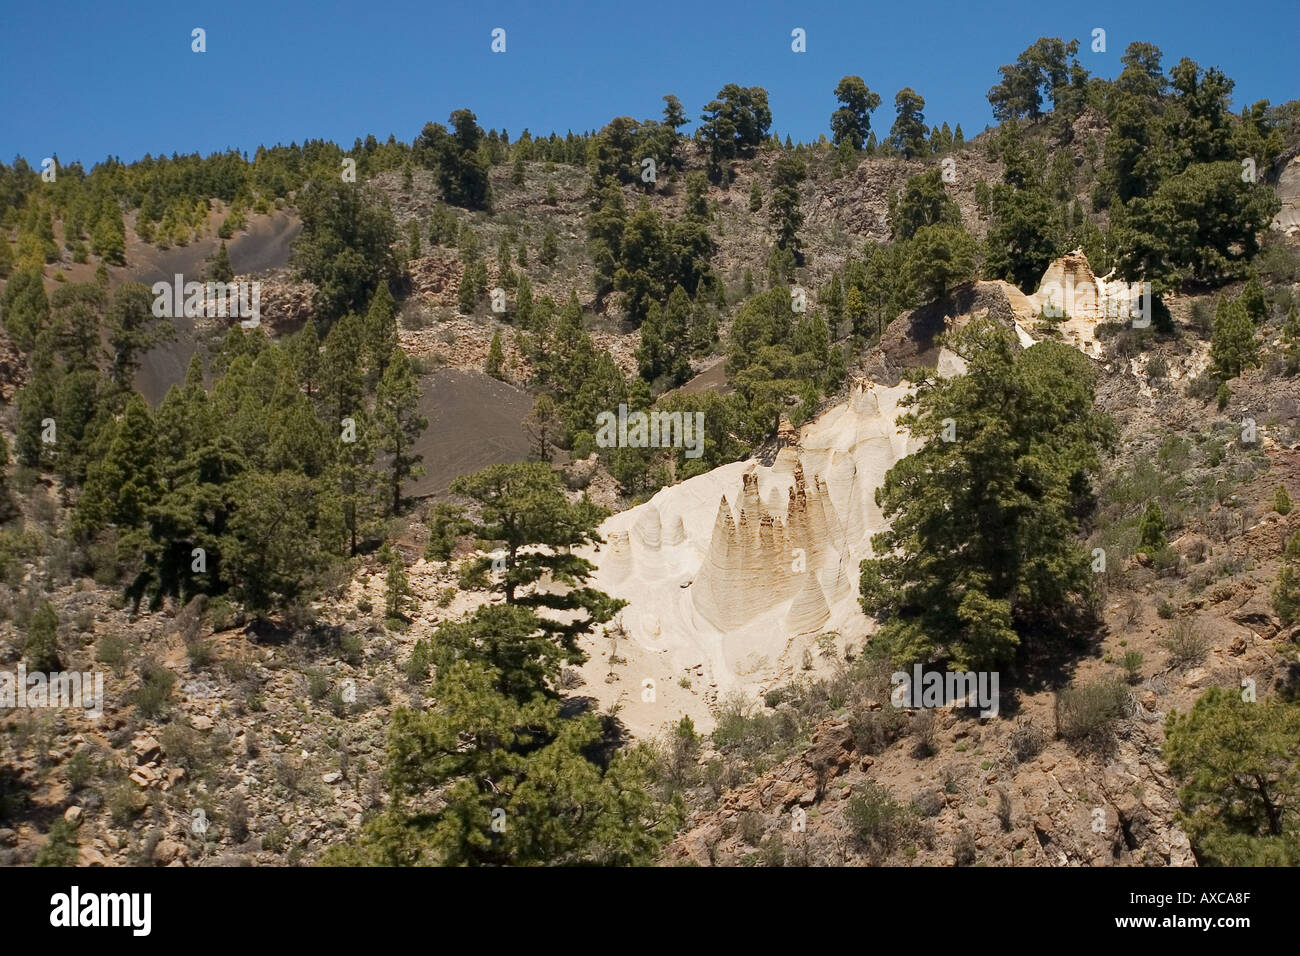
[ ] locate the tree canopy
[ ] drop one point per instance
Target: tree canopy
(982, 550)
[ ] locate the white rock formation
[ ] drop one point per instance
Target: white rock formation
(729, 566)
(729, 573)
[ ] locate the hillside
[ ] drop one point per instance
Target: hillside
(373, 560)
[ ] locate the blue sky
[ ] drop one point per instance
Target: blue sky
(86, 78)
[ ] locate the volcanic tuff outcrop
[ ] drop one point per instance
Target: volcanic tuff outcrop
(737, 570)
(734, 564)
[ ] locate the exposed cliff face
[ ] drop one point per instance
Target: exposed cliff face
(733, 574)
(739, 569)
(790, 550)
(1288, 191)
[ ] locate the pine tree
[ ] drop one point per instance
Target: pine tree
(77, 403)
(442, 226)
(36, 403)
(461, 166)
(1151, 532)
(304, 350)
(938, 258)
(756, 196)
(343, 365)
(944, 139)
(550, 247)
(1253, 300)
(6, 506)
(855, 309)
(446, 525)
(412, 241)
(1291, 340)
(280, 540)
(908, 132)
(398, 418)
(1238, 766)
(524, 300)
(361, 502)
(523, 508)
(41, 650)
(467, 294)
(982, 545)
(543, 426)
(523, 766)
(1286, 596)
(492, 365)
(60, 847)
(835, 302)
(923, 201)
(1232, 345)
(108, 241)
(505, 275)
(25, 306)
(380, 330)
(784, 212)
(219, 268)
(397, 586)
(78, 311)
(345, 246)
(851, 123)
(132, 331)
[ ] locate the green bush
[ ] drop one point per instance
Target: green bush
(964, 848)
(928, 803)
(1132, 664)
(221, 614)
(80, 768)
(124, 801)
(185, 748)
(113, 650)
(41, 650)
(1203, 387)
(1026, 743)
(16, 548)
(156, 681)
(1282, 501)
(1151, 532)
(417, 665)
(351, 649)
(874, 730)
(1185, 643)
(61, 847)
(1089, 712)
(879, 822)
(1286, 596)
(201, 653)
